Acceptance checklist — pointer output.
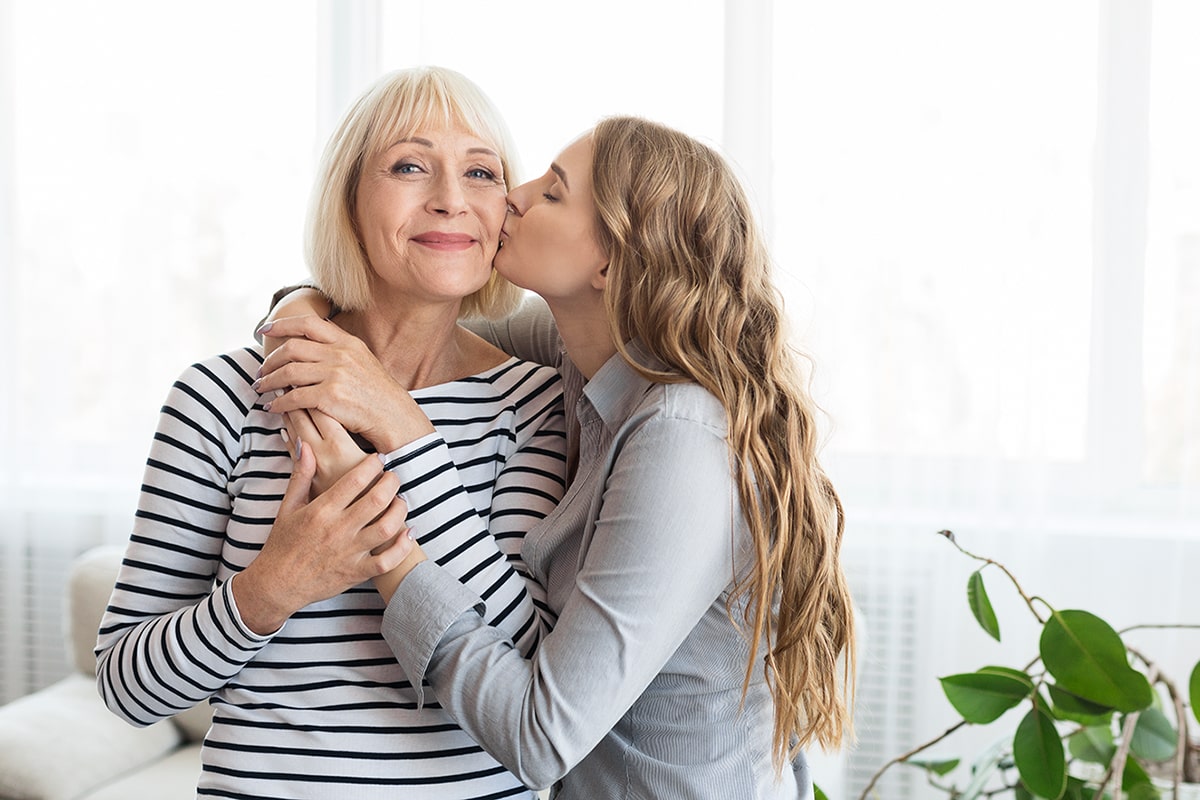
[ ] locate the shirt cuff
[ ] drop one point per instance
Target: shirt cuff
(237, 632)
(416, 455)
(424, 606)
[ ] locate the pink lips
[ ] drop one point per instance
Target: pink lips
(444, 241)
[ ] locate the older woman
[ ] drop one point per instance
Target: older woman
(237, 588)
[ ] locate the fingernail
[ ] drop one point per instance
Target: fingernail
(266, 328)
(259, 373)
(382, 458)
(267, 406)
(279, 393)
(283, 432)
(299, 448)
(257, 383)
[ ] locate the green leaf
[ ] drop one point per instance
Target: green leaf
(1021, 793)
(981, 697)
(1087, 658)
(981, 607)
(1154, 737)
(1072, 707)
(1194, 691)
(1094, 745)
(818, 794)
(1137, 784)
(1077, 790)
(983, 768)
(1010, 672)
(1038, 751)
(936, 767)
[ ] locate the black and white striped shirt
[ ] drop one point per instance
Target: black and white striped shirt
(321, 708)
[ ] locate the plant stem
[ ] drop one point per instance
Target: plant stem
(900, 758)
(1181, 719)
(949, 535)
(1116, 767)
(1181, 626)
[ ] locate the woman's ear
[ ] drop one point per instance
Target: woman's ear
(600, 277)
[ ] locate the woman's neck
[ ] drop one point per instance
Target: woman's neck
(585, 332)
(419, 347)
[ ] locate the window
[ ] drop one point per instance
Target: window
(161, 157)
(554, 72)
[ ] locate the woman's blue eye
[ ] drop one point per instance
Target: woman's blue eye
(482, 174)
(405, 168)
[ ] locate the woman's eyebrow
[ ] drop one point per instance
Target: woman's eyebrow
(561, 174)
(487, 151)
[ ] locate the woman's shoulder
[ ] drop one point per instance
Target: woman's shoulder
(212, 406)
(222, 384)
(687, 402)
(515, 381)
(236, 370)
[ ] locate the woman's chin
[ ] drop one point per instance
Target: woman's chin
(502, 264)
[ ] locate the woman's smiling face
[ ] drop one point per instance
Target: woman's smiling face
(428, 211)
(550, 240)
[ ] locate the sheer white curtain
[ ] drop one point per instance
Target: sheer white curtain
(986, 219)
(987, 215)
(155, 161)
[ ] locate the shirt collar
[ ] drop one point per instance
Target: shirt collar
(617, 388)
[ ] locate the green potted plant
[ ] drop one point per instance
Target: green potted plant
(1100, 719)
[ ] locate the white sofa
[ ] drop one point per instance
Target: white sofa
(61, 743)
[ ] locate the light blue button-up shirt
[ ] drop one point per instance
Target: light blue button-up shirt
(637, 690)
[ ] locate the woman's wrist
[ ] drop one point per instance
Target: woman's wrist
(402, 425)
(262, 614)
(387, 583)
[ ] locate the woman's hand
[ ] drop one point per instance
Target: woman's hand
(322, 368)
(336, 454)
(354, 532)
(302, 302)
(335, 449)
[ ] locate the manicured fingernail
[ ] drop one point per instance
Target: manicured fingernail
(279, 393)
(382, 458)
(299, 448)
(266, 328)
(283, 432)
(267, 406)
(259, 373)
(257, 383)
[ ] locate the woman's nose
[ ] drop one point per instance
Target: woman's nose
(447, 196)
(515, 198)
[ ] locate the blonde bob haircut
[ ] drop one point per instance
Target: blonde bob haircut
(397, 106)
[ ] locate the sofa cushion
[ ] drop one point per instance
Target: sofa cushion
(195, 721)
(90, 584)
(36, 729)
(171, 778)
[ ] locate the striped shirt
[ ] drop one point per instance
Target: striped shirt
(321, 708)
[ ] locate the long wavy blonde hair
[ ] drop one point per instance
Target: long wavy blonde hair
(689, 276)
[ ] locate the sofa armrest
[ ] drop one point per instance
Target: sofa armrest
(60, 742)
